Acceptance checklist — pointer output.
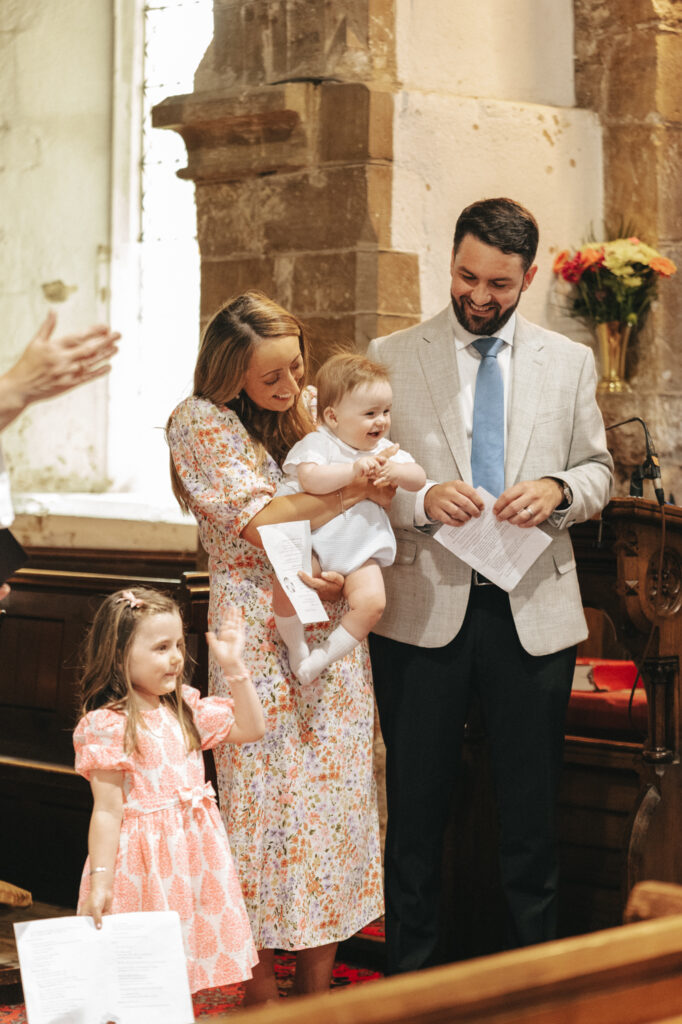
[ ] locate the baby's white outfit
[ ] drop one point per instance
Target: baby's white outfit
(363, 531)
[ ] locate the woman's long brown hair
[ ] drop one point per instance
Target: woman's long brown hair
(224, 356)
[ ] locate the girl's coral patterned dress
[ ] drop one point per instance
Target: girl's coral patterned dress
(299, 805)
(173, 852)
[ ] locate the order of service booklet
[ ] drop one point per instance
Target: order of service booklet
(131, 971)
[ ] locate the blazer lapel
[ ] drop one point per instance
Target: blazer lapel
(529, 362)
(436, 354)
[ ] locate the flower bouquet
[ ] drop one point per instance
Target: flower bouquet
(613, 286)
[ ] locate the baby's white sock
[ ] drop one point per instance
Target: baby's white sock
(337, 645)
(290, 628)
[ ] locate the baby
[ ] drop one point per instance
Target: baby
(354, 409)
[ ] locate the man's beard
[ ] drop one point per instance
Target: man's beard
(486, 326)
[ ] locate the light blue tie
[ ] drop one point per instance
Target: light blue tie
(487, 438)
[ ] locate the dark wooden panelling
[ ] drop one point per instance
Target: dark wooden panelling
(44, 806)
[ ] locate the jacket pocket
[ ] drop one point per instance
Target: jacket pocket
(564, 562)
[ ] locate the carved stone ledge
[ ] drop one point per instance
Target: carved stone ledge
(279, 128)
(230, 137)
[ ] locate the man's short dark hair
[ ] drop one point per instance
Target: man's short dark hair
(502, 223)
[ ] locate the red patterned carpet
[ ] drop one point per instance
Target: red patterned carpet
(212, 1001)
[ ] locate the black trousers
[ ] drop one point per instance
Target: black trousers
(423, 696)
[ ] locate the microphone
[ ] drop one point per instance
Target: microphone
(652, 471)
(650, 468)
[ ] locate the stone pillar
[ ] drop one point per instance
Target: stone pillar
(628, 69)
(293, 166)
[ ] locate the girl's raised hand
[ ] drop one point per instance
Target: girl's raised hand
(227, 645)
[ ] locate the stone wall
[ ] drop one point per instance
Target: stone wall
(263, 42)
(629, 70)
(289, 137)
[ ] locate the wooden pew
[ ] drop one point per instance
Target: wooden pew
(626, 975)
(653, 899)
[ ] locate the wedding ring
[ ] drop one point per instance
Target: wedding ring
(529, 510)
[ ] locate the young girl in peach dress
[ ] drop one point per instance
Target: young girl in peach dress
(156, 839)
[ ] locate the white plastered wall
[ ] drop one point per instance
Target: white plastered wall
(486, 109)
(55, 81)
(57, 175)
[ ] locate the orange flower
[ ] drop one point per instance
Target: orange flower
(664, 267)
(591, 256)
(561, 259)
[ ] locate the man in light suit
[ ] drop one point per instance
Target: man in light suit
(447, 632)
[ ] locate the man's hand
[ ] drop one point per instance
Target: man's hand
(529, 503)
(50, 366)
(453, 503)
(329, 585)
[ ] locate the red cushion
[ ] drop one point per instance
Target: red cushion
(605, 712)
(609, 674)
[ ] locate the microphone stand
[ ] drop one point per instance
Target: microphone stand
(650, 468)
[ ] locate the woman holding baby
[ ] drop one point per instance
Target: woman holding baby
(299, 805)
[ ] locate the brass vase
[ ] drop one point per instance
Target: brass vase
(612, 338)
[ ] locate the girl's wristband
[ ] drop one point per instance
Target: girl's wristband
(244, 677)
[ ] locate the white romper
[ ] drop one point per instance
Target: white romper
(363, 531)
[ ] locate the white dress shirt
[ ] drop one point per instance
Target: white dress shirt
(468, 363)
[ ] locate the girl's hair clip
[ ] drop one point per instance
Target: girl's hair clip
(129, 597)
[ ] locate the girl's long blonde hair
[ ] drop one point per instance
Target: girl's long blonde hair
(224, 356)
(105, 681)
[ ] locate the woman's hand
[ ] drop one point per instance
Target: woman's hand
(328, 585)
(381, 493)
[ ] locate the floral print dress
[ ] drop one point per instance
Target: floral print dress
(173, 852)
(299, 805)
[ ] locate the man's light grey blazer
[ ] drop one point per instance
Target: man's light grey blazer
(555, 428)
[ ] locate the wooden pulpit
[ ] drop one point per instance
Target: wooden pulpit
(644, 601)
